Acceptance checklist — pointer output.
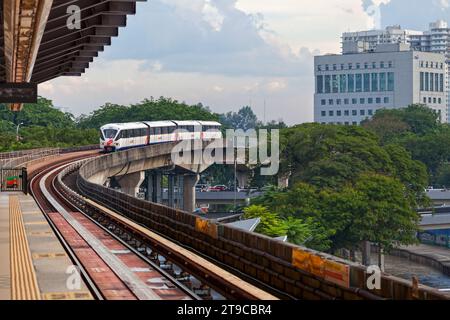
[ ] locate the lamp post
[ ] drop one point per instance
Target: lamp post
(17, 131)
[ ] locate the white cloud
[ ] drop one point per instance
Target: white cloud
(212, 15)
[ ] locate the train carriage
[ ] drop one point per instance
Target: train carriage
(121, 136)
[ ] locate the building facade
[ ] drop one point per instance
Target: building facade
(352, 87)
(436, 39)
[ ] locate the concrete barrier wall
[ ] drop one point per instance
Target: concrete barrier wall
(294, 270)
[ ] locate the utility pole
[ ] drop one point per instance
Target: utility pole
(17, 131)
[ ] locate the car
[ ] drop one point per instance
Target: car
(218, 188)
(247, 190)
(201, 188)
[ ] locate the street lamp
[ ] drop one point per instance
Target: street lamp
(17, 131)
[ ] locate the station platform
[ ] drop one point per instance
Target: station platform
(34, 264)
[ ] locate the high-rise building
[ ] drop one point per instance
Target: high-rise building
(351, 87)
(436, 39)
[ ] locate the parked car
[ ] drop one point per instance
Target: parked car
(247, 190)
(218, 188)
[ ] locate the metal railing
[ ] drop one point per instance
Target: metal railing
(19, 158)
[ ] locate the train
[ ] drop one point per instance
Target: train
(122, 136)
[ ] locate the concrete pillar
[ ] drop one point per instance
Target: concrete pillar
(242, 179)
(180, 193)
(366, 252)
(189, 192)
(131, 183)
(149, 195)
(171, 191)
(157, 190)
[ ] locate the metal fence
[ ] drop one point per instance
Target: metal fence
(17, 159)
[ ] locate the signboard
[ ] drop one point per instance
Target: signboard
(207, 227)
(18, 93)
(13, 179)
(328, 270)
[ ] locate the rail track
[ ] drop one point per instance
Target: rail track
(119, 259)
(110, 268)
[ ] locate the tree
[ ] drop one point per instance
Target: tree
(147, 110)
(244, 119)
(389, 218)
(271, 225)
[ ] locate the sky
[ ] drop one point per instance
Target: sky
(227, 54)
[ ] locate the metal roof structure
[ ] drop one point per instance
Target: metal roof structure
(44, 39)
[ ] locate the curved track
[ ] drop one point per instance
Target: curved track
(111, 268)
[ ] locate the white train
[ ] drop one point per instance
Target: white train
(120, 136)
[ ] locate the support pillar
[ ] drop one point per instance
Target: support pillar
(171, 191)
(157, 190)
(366, 248)
(189, 200)
(149, 195)
(242, 179)
(131, 183)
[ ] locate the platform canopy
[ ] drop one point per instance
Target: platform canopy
(44, 39)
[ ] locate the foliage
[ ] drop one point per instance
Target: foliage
(147, 110)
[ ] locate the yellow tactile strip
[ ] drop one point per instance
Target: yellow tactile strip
(24, 284)
(68, 296)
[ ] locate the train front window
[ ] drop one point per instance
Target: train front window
(109, 133)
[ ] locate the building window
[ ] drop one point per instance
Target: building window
(358, 82)
(429, 100)
(354, 123)
(431, 81)
(427, 81)
(374, 82)
(330, 102)
(323, 102)
(382, 64)
(441, 87)
(346, 101)
(338, 101)
(339, 113)
(391, 81)
(370, 112)
(422, 81)
(334, 67)
(390, 64)
(319, 84)
(358, 66)
(436, 82)
(370, 100)
(335, 84)
(343, 83)
(354, 101)
(374, 65)
(350, 66)
(351, 83)
(354, 112)
(440, 100)
(378, 100)
(366, 65)
(324, 113)
(386, 99)
(362, 101)
(346, 113)
(327, 68)
(434, 100)
(367, 82)
(331, 113)
(319, 68)
(362, 112)
(424, 99)
(383, 81)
